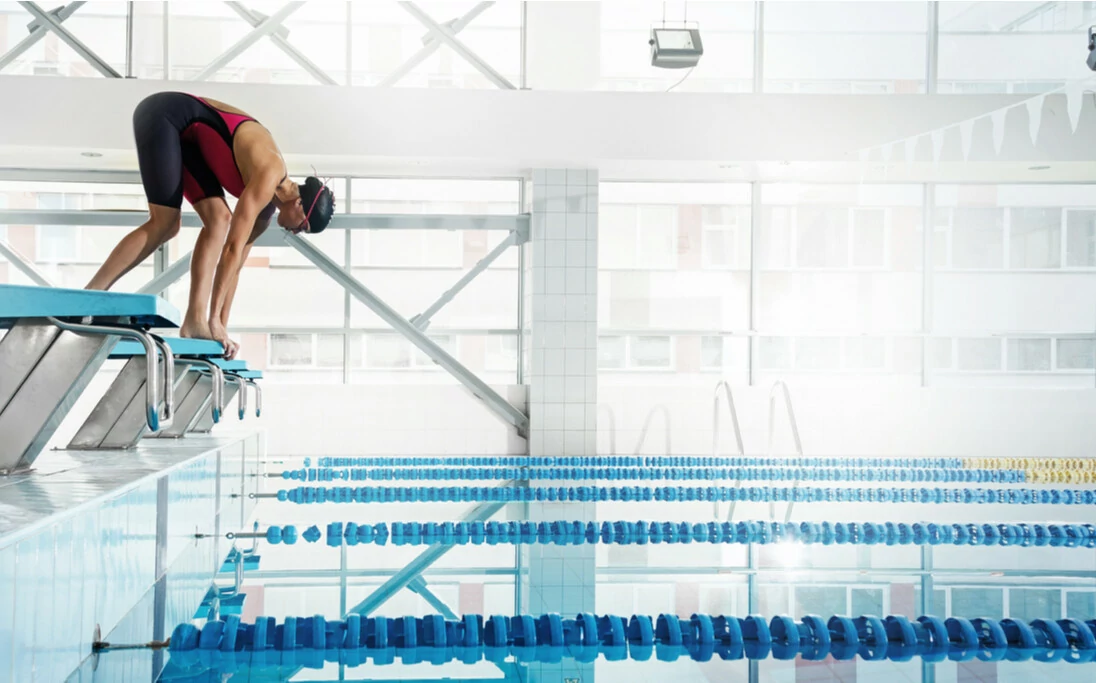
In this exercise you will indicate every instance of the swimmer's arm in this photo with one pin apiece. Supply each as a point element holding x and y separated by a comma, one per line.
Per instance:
<point>237,245</point>
<point>261,224</point>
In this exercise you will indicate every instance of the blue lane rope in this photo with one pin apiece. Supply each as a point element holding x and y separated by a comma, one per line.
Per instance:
<point>779,473</point>
<point>756,494</point>
<point>644,532</point>
<point>550,637</point>
<point>631,461</point>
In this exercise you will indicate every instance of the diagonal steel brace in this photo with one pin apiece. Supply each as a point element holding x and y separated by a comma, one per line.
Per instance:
<point>430,44</point>
<point>446,36</point>
<point>51,22</point>
<point>278,37</point>
<point>38,31</point>
<point>264,27</point>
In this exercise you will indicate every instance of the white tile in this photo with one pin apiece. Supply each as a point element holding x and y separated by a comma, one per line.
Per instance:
<point>575,362</point>
<point>558,205</point>
<point>574,416</point>
<point>590,359</point>
<point>576,203</point>
<point>576,177</point>
<point>576,226</point>
<point>554,389</point>
<point>536,442</point>
<point>575,307</point>
<point>538,226</point>
<point>593,177</point>
<point>590,410</point>
<point>574,442</point>
<point>540,281</point>
<point>575,390</point>
<point>591,279</point>
<point>575,334</point>
<point>555,335</point>
<point>553,441</point>
<point>591,389</point>
<point>575,253</point>
<point>554,416</point>
<point>576,281</point>
<point>539,204</point>
<point>590,306</point>
<point>554,307</point>
<point>556,226</point>
<point>554,281</point>
<point>555,253</point>
<point>555,362</point>
<point>540,176</point>
<point>557,177</point>
<point>536,414</point>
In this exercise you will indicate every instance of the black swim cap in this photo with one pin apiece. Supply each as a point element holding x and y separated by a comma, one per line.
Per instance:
<point>318,202</point>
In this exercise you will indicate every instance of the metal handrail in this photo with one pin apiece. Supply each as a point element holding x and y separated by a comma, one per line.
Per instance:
<point>647,423</point>
<point>779,384</point>
<point>715,436</point>
<point>167,417</point>
<point>152,390</point>
<point>218,378</point>
<point>612,427</point>
<point>241,394</point>
<point>258,396</point>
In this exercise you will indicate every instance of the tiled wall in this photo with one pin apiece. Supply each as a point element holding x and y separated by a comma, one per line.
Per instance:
<point>97,565</point>
<point>561,309</point>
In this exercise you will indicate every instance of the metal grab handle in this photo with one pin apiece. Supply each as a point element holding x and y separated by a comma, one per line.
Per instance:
<point>612,427</point>
<point>218,385</point>
<point>167,415</point>
<point>241,394</point>
<point>715,437</point>
<point>258,397</point>
<point>152,391</point>
<point>647,423</point>
<point>779,384</point>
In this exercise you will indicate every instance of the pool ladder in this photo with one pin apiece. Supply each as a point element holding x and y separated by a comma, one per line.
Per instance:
<point>779,387</point>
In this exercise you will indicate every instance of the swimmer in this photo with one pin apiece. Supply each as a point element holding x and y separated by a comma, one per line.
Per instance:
<point>197,148</point>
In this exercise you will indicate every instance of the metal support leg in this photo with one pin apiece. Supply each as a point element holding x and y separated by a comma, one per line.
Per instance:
<point>188,400</point>
<point>413,569</point>
<point>478,387</point>
<point>422,320</point>
<point>37,32</point>
<point>278,38</point>
<point>205,422</point>
<point>170,275</point>
<point>431,45</point>
<point>23,264</point>
<point>928,586</point>
<point>264,28</point>
<point>258,396</point>
<point>446,36</point>
<point>51,22</point>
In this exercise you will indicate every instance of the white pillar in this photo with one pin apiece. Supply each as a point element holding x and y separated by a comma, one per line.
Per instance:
<point>561,306</point>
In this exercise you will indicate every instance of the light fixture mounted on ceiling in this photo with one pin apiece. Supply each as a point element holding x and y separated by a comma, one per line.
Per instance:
<point>91,155</point>
<point>1038,168</point>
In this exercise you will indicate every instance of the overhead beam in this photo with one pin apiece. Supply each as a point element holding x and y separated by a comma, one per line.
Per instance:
<point>446,36</point>
<point>431,44</point>
<point>278,38</point>
<point>415,567</point>
<point>480,389</point>
<point>24,265</point>
<point>51,22</point>
<point>37,32</point>
<point>422,320</point>
<point>123,218</point>
<point>264,28</point>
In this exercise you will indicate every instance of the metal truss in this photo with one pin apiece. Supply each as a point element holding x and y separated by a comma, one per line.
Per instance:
<point>445,33</point>
<point>278,37</point>
<point>51,21</point>
<point>24,265</point>
<point>265,27</point>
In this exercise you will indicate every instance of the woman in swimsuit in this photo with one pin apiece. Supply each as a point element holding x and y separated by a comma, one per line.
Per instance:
<point>195,148</point>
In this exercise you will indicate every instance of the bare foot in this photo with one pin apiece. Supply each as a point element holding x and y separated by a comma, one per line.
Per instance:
<point>231,349</point>
<point>219,333</point>
<point>193,329</point>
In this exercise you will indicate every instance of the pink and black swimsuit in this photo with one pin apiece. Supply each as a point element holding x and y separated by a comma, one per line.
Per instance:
<point>184,150</point>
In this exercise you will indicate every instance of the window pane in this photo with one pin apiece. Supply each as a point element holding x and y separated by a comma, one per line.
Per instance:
<point>940,354</point>
<point>823,237</point>
<point>610,352</point>
<point>617,239</point>
<point>865,353</point>
<point>387,351</point>
<point>1034,603</point>
<point>1076,354</point>
<point>977,238</point>
<point>448,343</point>
<point>868,238</point>
<point>291,349</point>
<point>329,350</point>
<point>774,353</point>
<point>1029,355</point>
<point>711,352</point>
<point>657,236</point>
<point>1035,238</point>
<point>978,602</point>
<point>979,354</point>
<point>651,352</point>
<point>1081,239</point>
<point>817,353</point>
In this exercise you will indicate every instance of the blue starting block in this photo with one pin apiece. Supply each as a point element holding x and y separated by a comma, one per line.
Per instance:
<point>57,340</point>
<point>117,421</point>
